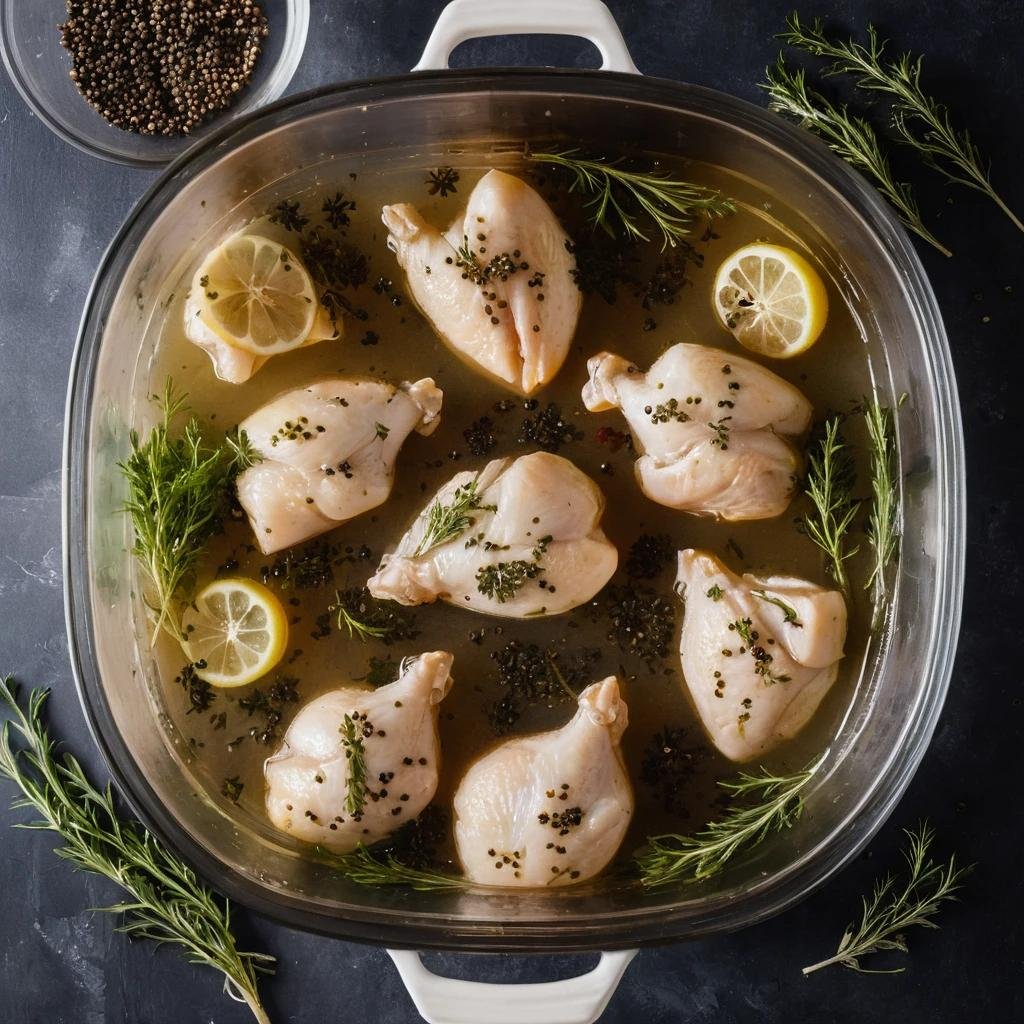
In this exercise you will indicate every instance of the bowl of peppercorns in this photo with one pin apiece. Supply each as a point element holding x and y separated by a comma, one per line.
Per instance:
<point>138,81</point>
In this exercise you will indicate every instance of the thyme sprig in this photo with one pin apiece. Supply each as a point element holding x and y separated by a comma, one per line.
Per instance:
<point>355,757</point>
<point>883,527</point>
<point>177,494</point>
<point>165,902</point>
<point>364,866</point>
<point>447,522</point>
<point>847,135</point>
<point>920,121</point>
<point>892,909</point>
<point>830,480</point>
<point>675,858</point>
<point>621,200</point>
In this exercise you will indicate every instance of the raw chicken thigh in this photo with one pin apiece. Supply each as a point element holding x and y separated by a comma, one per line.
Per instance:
<point>308,788</point>
<point>523,539</point>
<point>714,429</point>
<point>328,453</point>
<point>509,308</point>
<point>549,809</point>
<point>758,654</point>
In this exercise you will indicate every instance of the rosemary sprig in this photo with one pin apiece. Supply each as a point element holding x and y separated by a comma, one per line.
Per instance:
<point>355,755</point>
<point>368,618</point>
<point>446,522</point>
<point>920,121</point>
<point>848,136</point>
<point>623,197</point>
<point>675,858</point>
<point>166,901</point>
<point>883,521</point>
<point>788,611</point>
<point>891,910</point>
<point>364,867</point>
<point>177,492</point>
<point>830,479</point>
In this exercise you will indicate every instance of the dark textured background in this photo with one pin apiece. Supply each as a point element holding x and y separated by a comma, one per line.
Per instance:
<point>60,964</point>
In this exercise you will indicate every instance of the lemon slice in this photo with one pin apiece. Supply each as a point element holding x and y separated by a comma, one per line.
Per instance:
<point>237,631</point>
<point>771,299</point>
<point>255,295</point>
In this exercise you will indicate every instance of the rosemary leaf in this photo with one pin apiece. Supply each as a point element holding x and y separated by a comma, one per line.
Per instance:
<point>365,867</point>
<point>447,522</point>
<point>165,902</point>
<point>921,122</point>
<point>829,485</point>
<point>788,611</point>
<point>891,910</point>
<point>883,521</point>
<point>621,199</point>
<point>675,858</point>
<point>848,136</point>
<point>355,755</point>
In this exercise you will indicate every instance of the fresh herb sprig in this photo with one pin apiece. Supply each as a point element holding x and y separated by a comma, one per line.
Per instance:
<point>367,618</point>
<point>920,121</point>
<point>166,901</point>
<point>364,866</point>
<point>447,522</point>
<point>624,201</point>
<point>831,476</point>
<point>355,757</point>
<point>847,135</point>
<point>789,613</point>
<point>883,526</point>
<point>675,858</point>
<point>892,909</point>
<point>177,494</point>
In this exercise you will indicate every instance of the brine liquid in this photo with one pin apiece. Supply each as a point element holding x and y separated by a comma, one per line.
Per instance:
<point>402,346</point>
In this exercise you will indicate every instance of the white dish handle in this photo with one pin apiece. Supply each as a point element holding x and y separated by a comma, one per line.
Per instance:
<point>579,1000</point>
<point>471,19</point>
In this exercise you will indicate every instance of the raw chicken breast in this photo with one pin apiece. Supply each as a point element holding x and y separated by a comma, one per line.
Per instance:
<point>549,809</point>
<point>532,528</point>
<point>512,310</point>
<point>328,453</point>
<point>785,640</point>
<point>714,430</point>
<point>308,778</point>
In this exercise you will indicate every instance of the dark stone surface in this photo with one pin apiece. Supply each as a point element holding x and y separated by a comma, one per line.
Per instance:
<point>63,965</point>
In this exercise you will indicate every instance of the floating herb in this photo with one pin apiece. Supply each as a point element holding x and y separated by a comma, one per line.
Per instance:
<point>231,788</point>
<point>676,858</point>
<point>883,521</point>
<point>166,901</point>
<point>648,556</point>
<point>381,671</point>
<point>788,611</point>
<point>336,268</point>
<point>447,522</point>
<point>355,757</point>
<point>367,618</point>
<point>920,121</point>
<point>442,181</point>
<point>201,694</point>
<point>848,136</point>
<point>336,210</point>
<point>501,581</point>
<point>480,436</point>
<point>548,429</point>
<point>668,766</point>
<point>178,490</point>
<point>268,705</point>
<point>891,910</point>
<point>641,620</point>
<point>288,215</point>
<point>829,485</point>
<point>620,198</point>
<point>366,866</point>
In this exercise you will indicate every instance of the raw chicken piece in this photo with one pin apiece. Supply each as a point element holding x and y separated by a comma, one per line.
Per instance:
<point>328,452</point>
<point>713,428</point>
<point>512,312</point>
<point>778,671</point>
<point>533,528</point>
<point>549,809</point>
<point>308,777</point>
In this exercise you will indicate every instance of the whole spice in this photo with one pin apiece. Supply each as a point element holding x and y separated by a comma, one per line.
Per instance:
<point>158,68</point>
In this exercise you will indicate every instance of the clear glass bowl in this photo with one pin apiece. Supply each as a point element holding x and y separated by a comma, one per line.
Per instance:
<point>238,173</point>
<point>40,67</point>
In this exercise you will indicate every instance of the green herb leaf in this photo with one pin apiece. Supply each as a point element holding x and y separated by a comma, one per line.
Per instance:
<point>893,909</point>
<point>676,858</point>
<point>447,522</point>
<point>884,519</point>
<point>501,581</point>
<point>366,867</point>
<point>788,611</point>
<point>355,756</point>
<point>166,901</point>
<point>621,199</point>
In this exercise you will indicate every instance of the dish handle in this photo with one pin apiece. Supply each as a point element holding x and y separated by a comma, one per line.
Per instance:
<point>579,1000</point>
<point>470,19</point>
